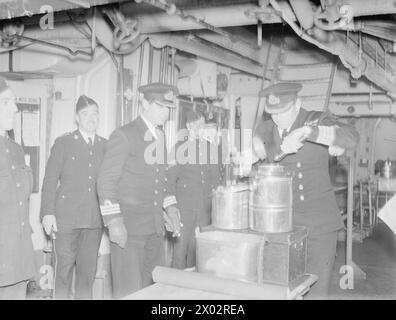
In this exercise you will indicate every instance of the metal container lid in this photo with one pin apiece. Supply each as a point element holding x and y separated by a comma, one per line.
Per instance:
<point>232,188</point>
<point>271,170</point>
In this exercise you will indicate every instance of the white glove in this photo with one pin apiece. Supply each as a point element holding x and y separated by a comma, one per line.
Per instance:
<point>117,232</point>
<point>49,224</point>
<point>294,140</point>
<point>336,151</point>
<point>243,161</point>
<point>172,221</point>
<point>259,149</point>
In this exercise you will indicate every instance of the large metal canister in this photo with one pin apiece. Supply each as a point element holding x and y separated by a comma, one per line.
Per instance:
<point>230,207</point>
<point>388,169</point>
<point>271,199</point>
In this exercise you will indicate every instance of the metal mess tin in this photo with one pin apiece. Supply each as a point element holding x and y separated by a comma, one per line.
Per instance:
<point>271,200</point>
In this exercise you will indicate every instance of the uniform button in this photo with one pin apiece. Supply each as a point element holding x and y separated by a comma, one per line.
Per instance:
<point>157,170</point>
<point>155,203</point>
<point>166,179</point>
<point>298,164</point>
<point>89,189</point>
<point>203,181</point>
<point>73,158</point>
<point>90,178</point>
<point>302,198</point>
<point>185,186</point>
<point>166,168</point>
<point>301,187</point>
<point>13,167</point>
<point>156,180</point>
<point>22,224</point>
<point>20,203</point>
<point>300,175</point>
<point>63,197</point>
<point>7,151</point>
<point>75,137</point>
<point>155,191</point>
<point>91,153</point>
<point>90,165</point>
<point>18,185</point>
<point>164,189</point>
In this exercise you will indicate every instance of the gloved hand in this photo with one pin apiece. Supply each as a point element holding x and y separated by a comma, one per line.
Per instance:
<point>49,224</point>
<point>117,232</point>
<point>336,151</point>
<point>259,148</point>
<point>172,220</point>
<point>294,140</point>
<point>243,161</point>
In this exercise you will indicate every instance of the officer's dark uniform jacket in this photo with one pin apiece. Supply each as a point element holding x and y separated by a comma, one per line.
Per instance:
<point>314,203</point>
<point>193,182</point>
<point>69,187</point>
<point>134,183</point>
<point>16,183</point>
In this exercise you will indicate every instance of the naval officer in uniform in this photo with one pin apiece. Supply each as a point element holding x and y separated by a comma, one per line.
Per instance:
<point>195,175</point>
<point>70,205</point>
<point>131,189</point>
<point>16,184</point>
<point>306,139</point>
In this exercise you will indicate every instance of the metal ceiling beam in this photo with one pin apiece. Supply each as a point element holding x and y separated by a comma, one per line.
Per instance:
<point>348,53</point>
<point>225,16</point>
<point>252,52</point>
<point>16,8</point>
<point>372,7</point>
<point>194,45</point>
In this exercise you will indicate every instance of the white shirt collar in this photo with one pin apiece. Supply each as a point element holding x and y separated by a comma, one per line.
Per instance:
<point>86,137</point>
<point>298,102</point>
<point>150,126</point>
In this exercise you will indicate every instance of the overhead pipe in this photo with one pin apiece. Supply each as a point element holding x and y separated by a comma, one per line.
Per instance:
<point>245,14</point>
<point>335,44</point>
<point>218,17</point>
<point>172,10</point>
<point>372,7</point>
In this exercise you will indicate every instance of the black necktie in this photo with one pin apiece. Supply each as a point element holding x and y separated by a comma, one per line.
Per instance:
<point>284,134</point>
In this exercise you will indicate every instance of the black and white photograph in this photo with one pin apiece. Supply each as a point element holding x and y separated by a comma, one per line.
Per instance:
<point>197,155</point>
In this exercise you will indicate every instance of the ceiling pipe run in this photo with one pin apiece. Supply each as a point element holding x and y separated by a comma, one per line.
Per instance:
<point>335,44</point>
<point>225,16</point>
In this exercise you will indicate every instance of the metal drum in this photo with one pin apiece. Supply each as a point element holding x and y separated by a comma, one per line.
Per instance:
<point>271,199</point>
<point>388,170</point>
<point>230,207</point>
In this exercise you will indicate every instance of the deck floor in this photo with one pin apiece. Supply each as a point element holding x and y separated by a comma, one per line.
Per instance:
<point>376,256</point>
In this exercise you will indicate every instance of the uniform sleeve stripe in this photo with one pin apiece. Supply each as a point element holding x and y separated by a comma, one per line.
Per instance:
<point>169,200</point>
<point>106,213</point>
<point>110,209</point>
<point>326,135</point>
<point>112,206</point>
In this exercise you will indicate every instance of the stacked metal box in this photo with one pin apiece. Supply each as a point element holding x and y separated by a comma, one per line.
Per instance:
<point>266,249</point>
